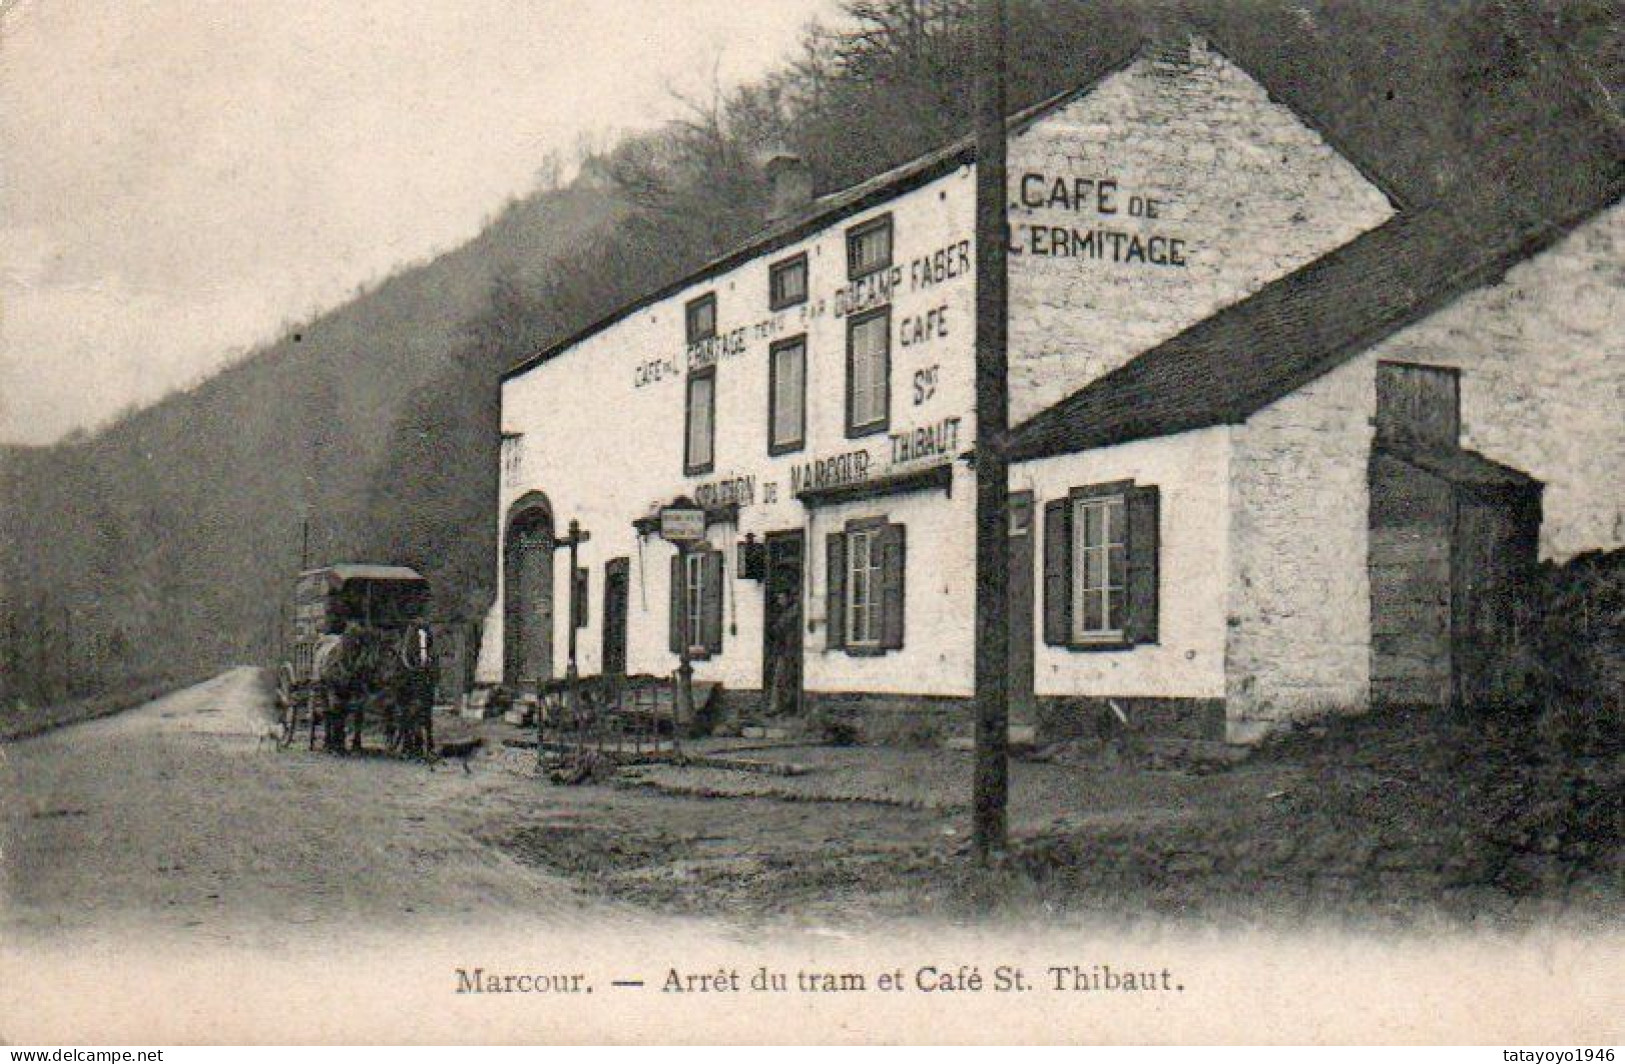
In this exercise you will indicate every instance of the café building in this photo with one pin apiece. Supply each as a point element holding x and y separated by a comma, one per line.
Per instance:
<point>1283,445</point>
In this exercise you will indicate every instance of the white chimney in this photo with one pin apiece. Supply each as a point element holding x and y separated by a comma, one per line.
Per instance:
<point>790,185</point>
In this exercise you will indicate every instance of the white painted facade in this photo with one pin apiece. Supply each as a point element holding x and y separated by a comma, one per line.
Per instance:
<point>1263,599</point>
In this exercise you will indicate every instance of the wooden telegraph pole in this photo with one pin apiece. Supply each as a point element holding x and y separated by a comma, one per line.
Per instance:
<point>992,777</point>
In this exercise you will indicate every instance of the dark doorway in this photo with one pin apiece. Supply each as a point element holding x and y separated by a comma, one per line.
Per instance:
<point>617,585</point>
<point>527,575</point>
<point>781,628</point>
<point>1020,677</point>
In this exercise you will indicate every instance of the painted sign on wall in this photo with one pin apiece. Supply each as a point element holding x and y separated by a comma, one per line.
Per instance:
<point>1103,205</point>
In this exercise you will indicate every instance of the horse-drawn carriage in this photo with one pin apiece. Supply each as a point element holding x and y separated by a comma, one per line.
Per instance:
<point>361,650</point>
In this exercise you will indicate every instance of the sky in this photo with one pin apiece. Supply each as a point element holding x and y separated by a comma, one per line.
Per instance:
<point>181,179</point>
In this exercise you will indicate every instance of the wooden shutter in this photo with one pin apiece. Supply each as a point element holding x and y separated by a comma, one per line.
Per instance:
<point>893,566</point>
<point>835,586</point>
<point>676,621</point>
<point>1142,507</point>
<point>1058,572</point>
<point>711,602</point>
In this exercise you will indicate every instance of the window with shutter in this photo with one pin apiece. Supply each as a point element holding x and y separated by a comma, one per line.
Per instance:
<point>867,563</point>
<point>696,602</point>
<point>1101,547</point>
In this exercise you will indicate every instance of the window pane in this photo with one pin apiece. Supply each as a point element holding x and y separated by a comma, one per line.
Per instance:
<point>1115,602</point>
<point>1115,524</point>
<point>869,349</point>
<point>1093,517</point>
<point>1117,569</point>
<point>788,284</point>
<point>701,391</point>
<point>1094,569</point>
<point>869,249</point>
<point>788,364</point>
<point>702,318</point>
<point>1093,611</point>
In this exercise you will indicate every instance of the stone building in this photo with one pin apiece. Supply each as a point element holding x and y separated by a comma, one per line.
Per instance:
<point>1283,445</point>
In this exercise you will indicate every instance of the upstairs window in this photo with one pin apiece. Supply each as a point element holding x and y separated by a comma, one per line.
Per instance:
<point>702,318</point>
<point>868,247</point>
<point>696,602</point>
<point>1101,546</point>
<point>699,438</point>
<point>787,283</point>
<point>866,566</point>
<point>787,395</point>
<point>868,372</point>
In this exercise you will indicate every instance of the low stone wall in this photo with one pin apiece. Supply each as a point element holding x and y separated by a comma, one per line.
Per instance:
<point>1157,718</point>
<point>868,718</point>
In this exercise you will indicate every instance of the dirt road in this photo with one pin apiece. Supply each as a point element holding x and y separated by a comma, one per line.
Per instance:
<point>181,816</point>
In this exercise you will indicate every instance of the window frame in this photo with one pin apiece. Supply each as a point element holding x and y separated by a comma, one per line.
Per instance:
<point>690,308</point>
<point>692,468</point>
<point>856,233</point>
<point>853,323</point>
<point>872,532</point>
<point>775,301</point>
<point>775,446</point>
<point>1106,501</point>
<point>694,604</point>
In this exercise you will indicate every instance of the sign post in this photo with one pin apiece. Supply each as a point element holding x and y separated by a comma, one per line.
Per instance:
<point>683,526</point>
<point>572,675</point>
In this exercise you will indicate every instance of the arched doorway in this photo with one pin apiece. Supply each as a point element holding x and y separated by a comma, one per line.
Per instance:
<point>527,581</point>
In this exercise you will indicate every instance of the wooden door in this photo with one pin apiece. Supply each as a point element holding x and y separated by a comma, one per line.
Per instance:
<point>617,586</point>
<point>782,623</point>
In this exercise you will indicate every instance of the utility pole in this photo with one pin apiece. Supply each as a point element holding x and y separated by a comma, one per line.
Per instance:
<point>992,776</point>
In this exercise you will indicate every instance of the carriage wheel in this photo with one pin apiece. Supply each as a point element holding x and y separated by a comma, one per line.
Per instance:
<point>313,703</point>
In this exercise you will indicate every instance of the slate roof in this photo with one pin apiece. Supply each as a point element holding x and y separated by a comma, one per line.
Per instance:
<point>1297,328</point>
<point>1467,468</point>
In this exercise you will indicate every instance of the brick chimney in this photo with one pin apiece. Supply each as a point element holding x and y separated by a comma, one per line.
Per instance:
<point>790,185</point>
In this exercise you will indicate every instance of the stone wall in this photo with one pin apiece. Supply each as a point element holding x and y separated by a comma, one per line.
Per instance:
<point>1542,360</point>
<point>1188,155</point>
<point>1299,594</point>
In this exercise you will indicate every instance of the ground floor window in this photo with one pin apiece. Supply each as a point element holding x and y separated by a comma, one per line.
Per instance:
<point>866,569</point>
<point>696,602</point>
<point>1101,546</point>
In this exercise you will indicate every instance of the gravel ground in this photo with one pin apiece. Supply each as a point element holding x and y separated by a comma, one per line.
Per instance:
<point>181,815</point>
